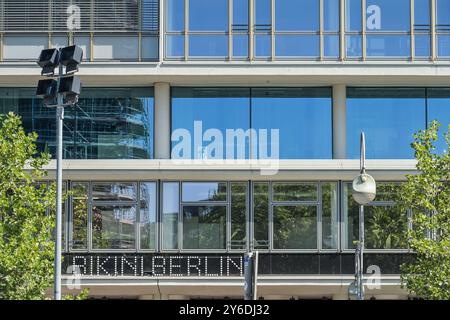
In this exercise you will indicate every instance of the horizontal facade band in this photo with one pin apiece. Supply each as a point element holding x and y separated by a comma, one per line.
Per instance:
<point>237,74</point>
<point>389,170</point>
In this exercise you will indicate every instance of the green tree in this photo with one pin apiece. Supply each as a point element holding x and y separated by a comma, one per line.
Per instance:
<point>427,194</point>
<point>26,246</point>
<point>27,216</point>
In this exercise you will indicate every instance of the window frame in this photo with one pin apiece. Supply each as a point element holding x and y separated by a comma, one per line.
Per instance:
<point>318,204</point>
<point>343,227</point>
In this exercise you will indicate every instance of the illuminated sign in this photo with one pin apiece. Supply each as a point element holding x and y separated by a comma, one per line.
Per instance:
<point>154,265</point>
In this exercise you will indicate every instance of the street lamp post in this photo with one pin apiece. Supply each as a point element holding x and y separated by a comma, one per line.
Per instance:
<point>364,191</point>
<point>58,94</point>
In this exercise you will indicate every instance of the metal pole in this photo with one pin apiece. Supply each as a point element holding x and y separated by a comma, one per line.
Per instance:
<point>255,276</point>
<point>361,254</point>
<point>248,276</point>
<point>59,139</point>
<point>361,224</point>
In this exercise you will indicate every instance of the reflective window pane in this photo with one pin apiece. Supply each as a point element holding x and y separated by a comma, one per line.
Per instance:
<point>388,15</point>
<point>297,46</point>
<point>353,15</point>
<point>353,46</point>
<point>208,45</point>
<point>175,15</point>
<point>240,14</point>
<point>170,208</point>
<point>330,218</point>
<point>240,46</point>
<point>294,15</point>
<point>422,45</point>
<point>284,192</point>
<point>308,135</point>
<point>443,14</point>
<point>388,116</point>
<point>439,109</point>
<point>107,123</point>
<point>204,227</point>
<point>443,45</point>
<point>199,113</point>
<point>238,215</point>
<point>385,226</point>
<point>331,46</point>
<point>331,19</point>
<point>204,191</point>
<point>80,194</point>
<point>295,227</point>
<point>147,215</point>
<point>215,19</point>
<point>263,46</point>
<point>113,226</point>
<point>111,191</point>
<point>388,45</point>
<point>422,16</point>
<point>174,46</point>
<point>261,215</point>
<point>263,17</point>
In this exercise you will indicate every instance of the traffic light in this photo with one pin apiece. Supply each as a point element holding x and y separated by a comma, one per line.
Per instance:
<point>46,90</point>
<point>67,60</point>
<point>71,57</point>
<point>48,61</point>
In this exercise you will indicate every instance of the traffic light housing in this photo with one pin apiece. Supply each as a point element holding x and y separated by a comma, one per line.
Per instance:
<point>48,61</point>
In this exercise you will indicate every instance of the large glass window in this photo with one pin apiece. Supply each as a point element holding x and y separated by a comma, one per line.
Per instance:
<point>261,215</point>
<point>201,119</point>
<point>307,133</point>
<point>114,215</point>
<point>295,227</point>
<point>294,15</point>
<point>204,225</point>
<point>170,209</point>
<point>207,15</point>
<point>204,191</point>
<point>422,28</point>
<point>239,211</point>
<point>229,123</point>
<point>147,215</point>
<point>438,108</point>
<point>385,225</point>
<point>329,215</point>
<point>80,212</point>
<point>113,226</point>
<point>389,117</point>
<point>107,123</point>
<point>206,207</point>
<point>303,216</point>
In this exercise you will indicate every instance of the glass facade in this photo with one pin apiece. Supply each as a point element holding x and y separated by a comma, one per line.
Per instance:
<point>390,117</point>
<point>308,29</point>
<point>107,123</point>
<point>293,216</point>
<point>240,123</point>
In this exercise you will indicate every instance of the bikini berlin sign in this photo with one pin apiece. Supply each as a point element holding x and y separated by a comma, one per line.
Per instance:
<point>153,265</point>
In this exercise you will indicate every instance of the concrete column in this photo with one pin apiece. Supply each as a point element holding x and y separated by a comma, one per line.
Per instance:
<point>162,121</point>
<point>339,121</point>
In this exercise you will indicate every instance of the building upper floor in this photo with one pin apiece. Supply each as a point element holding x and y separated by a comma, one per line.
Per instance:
<point>236,123</point>
<point>229,30</point>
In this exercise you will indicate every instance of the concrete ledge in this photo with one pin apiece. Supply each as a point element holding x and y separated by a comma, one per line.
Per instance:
<point>389,170</point>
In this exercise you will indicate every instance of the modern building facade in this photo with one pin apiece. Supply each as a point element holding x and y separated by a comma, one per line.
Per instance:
<point>207,128</point>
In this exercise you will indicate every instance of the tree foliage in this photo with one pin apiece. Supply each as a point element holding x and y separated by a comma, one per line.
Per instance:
<point>27,216</point>
<point>427,194</point>
<point>26,246</point>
